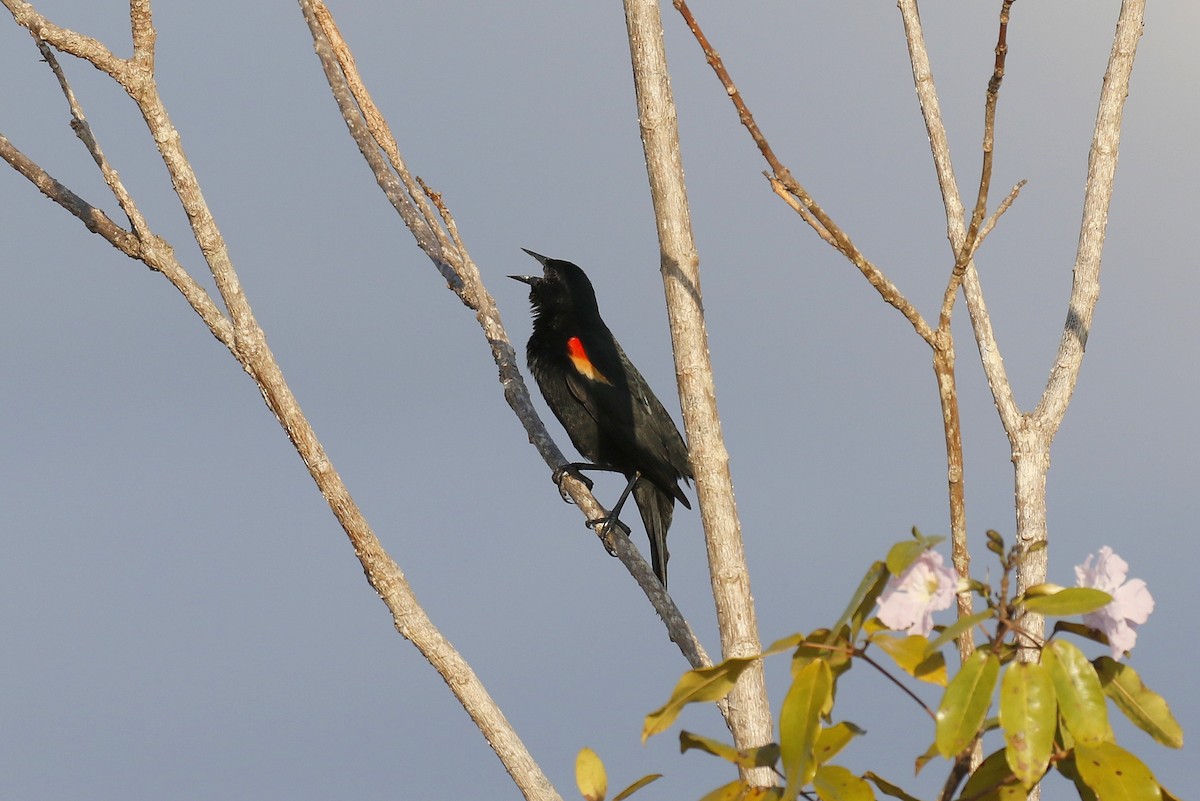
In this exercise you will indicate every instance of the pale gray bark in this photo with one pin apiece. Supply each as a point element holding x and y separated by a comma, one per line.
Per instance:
<point>749,715</point>
<point>1031,433</point>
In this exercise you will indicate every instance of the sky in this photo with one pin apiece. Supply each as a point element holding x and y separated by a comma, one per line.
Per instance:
<point>184,619</point>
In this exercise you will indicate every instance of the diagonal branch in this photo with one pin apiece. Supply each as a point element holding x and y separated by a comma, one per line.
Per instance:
<point>83,130</point>
<point>68,41</point>
<point>443,246</point>
<point>247,342</point>
<point>153,251</point>
<point>784,184</point>
<point>1102,167</point>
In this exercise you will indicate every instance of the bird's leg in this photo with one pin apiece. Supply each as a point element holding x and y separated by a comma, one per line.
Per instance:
<point>575,470</point>
<point>603,526</point>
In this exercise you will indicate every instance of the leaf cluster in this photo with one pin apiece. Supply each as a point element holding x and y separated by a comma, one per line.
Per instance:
<point>1051,708</point>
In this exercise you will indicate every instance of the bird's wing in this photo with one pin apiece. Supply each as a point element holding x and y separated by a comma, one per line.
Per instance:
<point>618,398</point>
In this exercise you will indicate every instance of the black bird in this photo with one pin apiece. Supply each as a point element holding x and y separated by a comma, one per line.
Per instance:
<point>602,401</point>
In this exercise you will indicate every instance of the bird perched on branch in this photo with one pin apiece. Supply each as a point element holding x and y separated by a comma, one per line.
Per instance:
<point>602,401</point>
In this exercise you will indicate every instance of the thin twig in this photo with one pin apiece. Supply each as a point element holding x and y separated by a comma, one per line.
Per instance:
<point>381,132</point>
<point>863,655</point>
<point>956,229</point>
<point>971,244</point>
<point>784,184</point>
<point>999,212</point>
<point>83,130</point>
<point>147,248</point>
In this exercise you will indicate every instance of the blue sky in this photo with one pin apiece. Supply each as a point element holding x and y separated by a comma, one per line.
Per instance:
<point>184,619</point>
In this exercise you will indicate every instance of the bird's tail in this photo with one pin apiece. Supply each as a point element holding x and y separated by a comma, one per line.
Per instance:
<point>657,508</point>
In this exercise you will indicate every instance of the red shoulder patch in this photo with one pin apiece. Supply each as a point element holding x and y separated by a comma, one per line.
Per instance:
<point>582,362</point>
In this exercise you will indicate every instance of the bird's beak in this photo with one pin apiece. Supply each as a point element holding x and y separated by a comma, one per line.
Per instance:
<point>532,280</point>
<point>541,259</point>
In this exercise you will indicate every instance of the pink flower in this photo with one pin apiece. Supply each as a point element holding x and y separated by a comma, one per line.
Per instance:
<point>910,599</point>
<point>1131,604</point>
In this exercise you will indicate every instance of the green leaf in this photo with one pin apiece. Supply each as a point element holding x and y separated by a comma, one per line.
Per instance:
<point>739,791</point>
<point>1067,602</point>
<point>689,741</point>
<point>835,783</point>
<point>590,776</point>
<point>966,702</point>
<point>833,739</point>
<point>1067,768</point>
<point>1144,707</point>
<point>763,794</point>
<point>863,600</point>
<point>727,792</point>
<point>995,543</point>
<point>827,646</point>
<point>903,554</point>
<point>1080,630</point>
<point>800,723</point>
<point>696,686</point>
<point>928,542</point>
<point>887,788</point>
<point>1114,774</point>
<point>910,655</point>
<point>1045,588</point>
<point>639,784</point>
<point>1080,699</point>
<point>764,756</point>
<point>993,781</point>
<point>785,644</point>
<point>809,649</point>
<point>1028,715</point>
<point>955,629</point>
<point>924,759</point>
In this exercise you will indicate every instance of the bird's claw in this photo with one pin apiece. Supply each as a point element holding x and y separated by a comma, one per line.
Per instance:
<point>603,526</point>
<point>569,469</point>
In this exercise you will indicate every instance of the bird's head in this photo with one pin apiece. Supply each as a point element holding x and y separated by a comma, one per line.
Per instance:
<point>562,290</point>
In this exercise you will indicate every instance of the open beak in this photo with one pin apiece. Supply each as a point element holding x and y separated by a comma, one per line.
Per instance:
<point>531,279</point>
<point>541,259</point>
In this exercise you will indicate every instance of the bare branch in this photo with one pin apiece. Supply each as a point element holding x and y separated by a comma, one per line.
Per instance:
<point>1102,167</point>
<point>1032,434</point>
<point>784,184</point>
<point>141,24</point>
<point>355,101</point>
<point>68,41</point>
<point>94,219</point>
<point>999,212</point>
<point>749,715</point>
<point>154,252</point>
<point>956,229</point>
<point>247,342</point>
<point>83,130</point>
<point>989,138</point>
